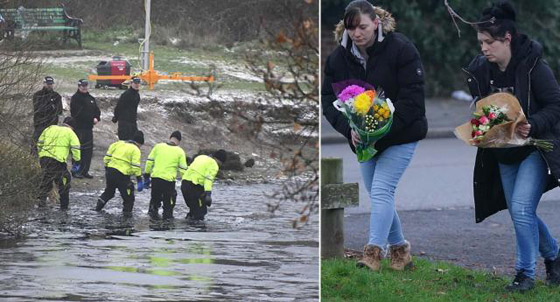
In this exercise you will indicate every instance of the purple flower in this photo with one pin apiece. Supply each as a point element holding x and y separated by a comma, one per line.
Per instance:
<point>350,92</point>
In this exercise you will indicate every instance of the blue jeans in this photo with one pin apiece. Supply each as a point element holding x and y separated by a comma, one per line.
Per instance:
<point>524,184</point>
<point>381,175</point>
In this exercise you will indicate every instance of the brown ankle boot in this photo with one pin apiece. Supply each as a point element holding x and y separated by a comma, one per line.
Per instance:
<point>400,256</point>
<point>371,258</point>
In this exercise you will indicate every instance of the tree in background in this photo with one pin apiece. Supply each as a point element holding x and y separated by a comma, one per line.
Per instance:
<point>287,59</point>
<point>20,171</point>
<point>297,80</point>
<point>429,26</point>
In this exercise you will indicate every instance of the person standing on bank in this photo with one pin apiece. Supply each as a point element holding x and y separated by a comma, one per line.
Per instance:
<point>54,146</point>
<point>126,110</point>
<point>164,161</point>
<point>371,51</point>
<point>198,181</point>
<point>122,161</point>
<point>515,178</point>
<point>47,106</point>
<point>84,110</point>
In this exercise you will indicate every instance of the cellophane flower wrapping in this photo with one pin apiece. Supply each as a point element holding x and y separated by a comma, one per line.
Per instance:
<point>369,113</point>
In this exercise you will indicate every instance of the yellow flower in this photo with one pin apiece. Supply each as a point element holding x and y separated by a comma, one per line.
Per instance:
<point>362,103</point>
<point>386,114</point>
<point>381,111</point>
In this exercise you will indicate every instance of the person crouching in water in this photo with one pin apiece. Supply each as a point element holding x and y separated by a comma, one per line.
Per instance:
<point>162,165</point>
<point>54,145</point>
<point>122,161</point>
<point>197,183</point>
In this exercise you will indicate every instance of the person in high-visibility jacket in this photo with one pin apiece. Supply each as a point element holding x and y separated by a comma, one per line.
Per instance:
<point>198,181</point>
<point>54,146</point>
<point>122,161</point>
<point>162,165</point>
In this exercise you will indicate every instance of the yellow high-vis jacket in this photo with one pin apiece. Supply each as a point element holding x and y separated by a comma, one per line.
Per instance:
<point>202,171</point>
<point>125,157</point>
<point>57,141</point>
<point>164,160</point>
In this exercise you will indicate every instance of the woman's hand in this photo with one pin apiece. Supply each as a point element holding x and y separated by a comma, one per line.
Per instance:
<point>355,138</point>
<point>523,129</point>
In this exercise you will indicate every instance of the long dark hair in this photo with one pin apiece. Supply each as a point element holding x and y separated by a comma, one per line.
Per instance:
<point>498,20</point>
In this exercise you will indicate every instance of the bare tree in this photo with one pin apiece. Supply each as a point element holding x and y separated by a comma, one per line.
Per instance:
<point>287,59</point>
<point>20,171</point>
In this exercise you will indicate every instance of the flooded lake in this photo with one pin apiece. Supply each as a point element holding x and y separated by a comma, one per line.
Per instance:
<point>239,253</point>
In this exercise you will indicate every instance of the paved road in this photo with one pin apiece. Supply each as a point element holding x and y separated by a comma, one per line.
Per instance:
<point>434,200</point>
<point>439,176</point>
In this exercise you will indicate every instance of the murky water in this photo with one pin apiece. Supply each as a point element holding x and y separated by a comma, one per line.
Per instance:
<point>239,253</point>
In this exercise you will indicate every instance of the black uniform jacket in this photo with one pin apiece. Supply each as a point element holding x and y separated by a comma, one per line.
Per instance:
<point>83,108</point>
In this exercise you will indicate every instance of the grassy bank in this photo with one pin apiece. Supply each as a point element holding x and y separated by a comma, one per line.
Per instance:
<point>67,63</point>
<point>429,281</point>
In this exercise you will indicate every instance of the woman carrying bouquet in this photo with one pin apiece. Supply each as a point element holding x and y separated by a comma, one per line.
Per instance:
<point>515,178</point>
<point>372,52</point>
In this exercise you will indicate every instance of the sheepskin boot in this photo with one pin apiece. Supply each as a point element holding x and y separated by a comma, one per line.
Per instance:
<point>400,256</point>
<point>371,258</point>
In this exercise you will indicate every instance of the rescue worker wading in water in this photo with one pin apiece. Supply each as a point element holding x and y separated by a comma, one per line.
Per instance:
<point>197,183</point>
<point>122,161</point>
<point>162,165</point>
<point>54,145</point>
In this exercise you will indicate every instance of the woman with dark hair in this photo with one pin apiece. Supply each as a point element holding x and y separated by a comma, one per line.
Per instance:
<point>516,178</point>
<point>371,51</point>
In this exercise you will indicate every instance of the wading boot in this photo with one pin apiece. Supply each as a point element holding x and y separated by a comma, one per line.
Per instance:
<point>371,258</point>
<point>400,256</point>
<point>100,204</point>
<point>521,283</point>
<point>552,271</point>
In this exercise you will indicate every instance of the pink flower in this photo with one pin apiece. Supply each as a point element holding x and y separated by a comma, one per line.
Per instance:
<point>350,92</point>
<point>477,133</point>
<point>483,120</point>
<point>492,115</point>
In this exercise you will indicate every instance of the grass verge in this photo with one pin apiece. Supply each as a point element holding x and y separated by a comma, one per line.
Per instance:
<point>428,281</point>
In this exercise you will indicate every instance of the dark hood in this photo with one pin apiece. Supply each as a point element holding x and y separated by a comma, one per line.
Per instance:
<point>525,49</point>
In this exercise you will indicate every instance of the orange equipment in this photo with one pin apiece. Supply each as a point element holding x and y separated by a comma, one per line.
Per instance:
<point>151,76</point>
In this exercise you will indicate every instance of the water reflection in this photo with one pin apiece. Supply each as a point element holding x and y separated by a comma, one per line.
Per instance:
<point>238,253</point>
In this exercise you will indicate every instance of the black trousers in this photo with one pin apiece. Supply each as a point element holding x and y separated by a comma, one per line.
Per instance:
<point>163,191</point>
<point>126,130</point>
<point>86,140</point>
<point>53,170</point>
<point>192,194</point>
<point>116,180</point>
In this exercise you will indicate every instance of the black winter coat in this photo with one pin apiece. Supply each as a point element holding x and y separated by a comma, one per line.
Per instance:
<point>47,106</point>
<point>538,92</point>
<point>83,109</point>
<point>393,65</point>
<point>127,106</point>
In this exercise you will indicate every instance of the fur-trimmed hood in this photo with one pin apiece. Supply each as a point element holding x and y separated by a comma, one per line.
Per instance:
<point>388,23</point>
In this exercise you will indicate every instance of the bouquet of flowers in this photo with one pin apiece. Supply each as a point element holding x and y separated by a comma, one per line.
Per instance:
<point>369,114</point>
<point>494,123</point>
<point>491,116</point>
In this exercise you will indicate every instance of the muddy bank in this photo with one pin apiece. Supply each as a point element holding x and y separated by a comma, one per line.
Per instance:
<point>205,124</point>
